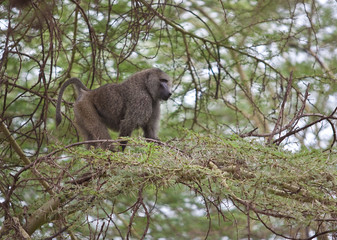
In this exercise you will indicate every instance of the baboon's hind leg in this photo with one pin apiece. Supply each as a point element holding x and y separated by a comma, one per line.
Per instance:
<point>90,125</point>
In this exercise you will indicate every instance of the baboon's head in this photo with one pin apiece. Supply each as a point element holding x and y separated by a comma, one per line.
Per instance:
<point>159,84</point>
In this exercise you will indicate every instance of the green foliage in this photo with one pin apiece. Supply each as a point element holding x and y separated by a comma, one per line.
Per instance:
<point>252,80</point>
<point>193,181</point>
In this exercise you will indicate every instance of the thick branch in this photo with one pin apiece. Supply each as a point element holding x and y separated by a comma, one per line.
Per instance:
<point>22,156</point>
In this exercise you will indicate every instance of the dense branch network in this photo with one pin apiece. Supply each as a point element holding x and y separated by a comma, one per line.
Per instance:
<point>243,73</point>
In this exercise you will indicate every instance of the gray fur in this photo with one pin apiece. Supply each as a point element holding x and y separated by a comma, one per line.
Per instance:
<point>121,107</point>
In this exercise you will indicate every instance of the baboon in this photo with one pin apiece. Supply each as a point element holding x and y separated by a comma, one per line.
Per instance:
<point>121,107</point>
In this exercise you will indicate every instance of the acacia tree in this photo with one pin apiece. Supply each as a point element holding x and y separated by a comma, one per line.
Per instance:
<point>248,137</point>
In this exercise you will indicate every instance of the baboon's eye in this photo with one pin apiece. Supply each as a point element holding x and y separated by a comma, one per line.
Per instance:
<point>163,80</point>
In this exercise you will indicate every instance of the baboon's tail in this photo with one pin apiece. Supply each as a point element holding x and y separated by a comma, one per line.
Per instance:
<point>79,85</point>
